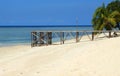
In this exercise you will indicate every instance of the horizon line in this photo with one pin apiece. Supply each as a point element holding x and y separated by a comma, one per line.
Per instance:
<point>45,25</point>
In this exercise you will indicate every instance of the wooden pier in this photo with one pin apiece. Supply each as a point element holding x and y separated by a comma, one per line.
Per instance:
<point>41,38</point>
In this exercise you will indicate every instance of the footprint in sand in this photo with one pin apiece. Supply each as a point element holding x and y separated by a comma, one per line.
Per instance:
<point>3,70</point>
<point>37,72</point>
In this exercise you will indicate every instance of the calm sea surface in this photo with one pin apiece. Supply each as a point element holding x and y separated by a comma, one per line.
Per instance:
<point>22,35</point>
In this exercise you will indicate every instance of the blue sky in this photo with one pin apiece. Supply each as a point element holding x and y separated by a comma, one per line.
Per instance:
<point>48,12</point>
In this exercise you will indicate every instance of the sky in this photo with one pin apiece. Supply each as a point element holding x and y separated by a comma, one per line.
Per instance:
<point>48,12</point>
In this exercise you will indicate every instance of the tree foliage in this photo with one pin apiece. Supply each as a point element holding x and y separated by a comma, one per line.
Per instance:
<point>107,17</point>
<point>114,6</point>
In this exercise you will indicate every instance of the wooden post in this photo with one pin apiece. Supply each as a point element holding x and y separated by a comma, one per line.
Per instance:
<point>61,37</point>
<point>92,36</point>
<point>46,36</point>
<point>41,38</point>
<point>110,34</point>
<point>77,36</point>
<point>50,38</point>
<point>34,39</point>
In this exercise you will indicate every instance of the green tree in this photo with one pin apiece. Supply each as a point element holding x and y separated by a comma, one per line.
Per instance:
<point>105,19</point>
<point>115,6</point>
<point>102,18</point>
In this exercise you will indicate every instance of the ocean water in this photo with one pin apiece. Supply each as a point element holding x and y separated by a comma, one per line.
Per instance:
<point>22,35</point>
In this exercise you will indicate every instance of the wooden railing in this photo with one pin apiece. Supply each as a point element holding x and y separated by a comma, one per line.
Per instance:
<point>40,38</point>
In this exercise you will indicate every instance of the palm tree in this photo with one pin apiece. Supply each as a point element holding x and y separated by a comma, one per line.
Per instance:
<point>103,19</point>
<point>115,6</point>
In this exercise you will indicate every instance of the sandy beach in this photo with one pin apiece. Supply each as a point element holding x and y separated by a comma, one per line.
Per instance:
<point>86,58</point>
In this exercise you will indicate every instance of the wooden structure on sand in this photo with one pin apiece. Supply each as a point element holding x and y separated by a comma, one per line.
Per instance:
<point>40,38</point>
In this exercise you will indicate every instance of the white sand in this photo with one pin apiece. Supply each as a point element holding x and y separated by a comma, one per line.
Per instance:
<point>86,58</point>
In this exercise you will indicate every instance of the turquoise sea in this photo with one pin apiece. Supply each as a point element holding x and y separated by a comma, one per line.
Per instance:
<point>22,34</point>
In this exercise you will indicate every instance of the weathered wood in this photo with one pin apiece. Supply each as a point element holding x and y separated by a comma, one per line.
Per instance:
<point>88,35</point>
<point>61,37</point>
<point>41,38</point>
<point>92,35</point>
<point>50,38</point>
<point>110,34</point>
<point>34,39</point>
<point>45,37</point>
<point>81,35</point>
<point>77,36</point>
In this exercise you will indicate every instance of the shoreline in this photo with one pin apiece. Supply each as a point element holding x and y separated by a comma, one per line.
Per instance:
<point>15,44</point>
<point>55,41</point>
